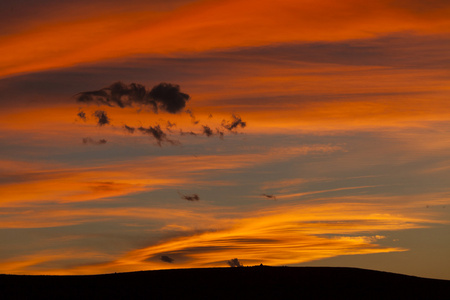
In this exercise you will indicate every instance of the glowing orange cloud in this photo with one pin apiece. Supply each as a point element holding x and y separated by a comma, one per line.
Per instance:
<point>84,184</point>
<point>278,235</point>
<point>287,235</point>
<point>175,219</point>
<point>206,25</point>
<point>36,263</point>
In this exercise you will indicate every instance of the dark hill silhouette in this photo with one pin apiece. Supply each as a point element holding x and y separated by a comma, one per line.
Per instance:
<point>228,283</point>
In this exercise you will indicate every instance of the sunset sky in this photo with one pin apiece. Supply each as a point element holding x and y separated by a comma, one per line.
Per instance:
<point>159,134</point>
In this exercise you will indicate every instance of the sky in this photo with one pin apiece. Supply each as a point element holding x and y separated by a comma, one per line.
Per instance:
<point>146,135</point>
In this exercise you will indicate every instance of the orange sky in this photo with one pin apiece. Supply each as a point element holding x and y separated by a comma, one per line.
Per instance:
<point>343,151</point>
<point>207,25</point>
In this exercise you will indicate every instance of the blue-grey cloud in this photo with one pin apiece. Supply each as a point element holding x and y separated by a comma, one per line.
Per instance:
<point>88,140</point>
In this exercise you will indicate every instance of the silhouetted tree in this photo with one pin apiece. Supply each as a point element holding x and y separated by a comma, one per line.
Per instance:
<point>234,263</point>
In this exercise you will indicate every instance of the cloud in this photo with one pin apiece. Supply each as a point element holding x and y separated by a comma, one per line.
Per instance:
<point>241,25</point>
<point>88,140</point>
<point>269,196</point>
<point>234,263</point>
<point>129,129</point>
<point>293,233</point>
<point>193,119</point>
<point>207,131</point>
<point>220,133</point>
<point>157,133</point>
<point>161,136</point>
<point>169,97</point>
<point>187,132</point>
<point>169,126</point>
<point>164,96</point>
<point>236,122</point>
<point>193,197</point>
<point>82,115</point>
<point>102,118</point>
<point>117,94</point>
<point>167,259</point>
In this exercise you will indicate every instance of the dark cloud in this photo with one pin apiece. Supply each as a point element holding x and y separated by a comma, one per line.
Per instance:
<point>220,133</point>
<point>169,97</point>
<point>154,131</point>
<point>269,196</point>
<point>207,131</point>
<point>102,118</point>
<point>167,259</point>
<point>88,140</point>
<point>129,129</point>
<point>234,263</point>
<point>193,119</point>
<point>234,123</point>
<point>193,197</point>
<point>164,96</point>
<point>117,94</point>
<point>187,132</point>
<point>170,125</point>
<point>430,8</point>
<point>82,115</point>
<point>157,133</point>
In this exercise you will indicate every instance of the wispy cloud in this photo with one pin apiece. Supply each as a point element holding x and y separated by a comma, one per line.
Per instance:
<point>240,26</point>
<point>278,235</point>
<point>286,235</point>
<point>67,184</point>
<point>295,195</point>
<point>88,140</point>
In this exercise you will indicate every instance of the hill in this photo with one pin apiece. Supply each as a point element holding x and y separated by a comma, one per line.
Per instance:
<point>228,283</point>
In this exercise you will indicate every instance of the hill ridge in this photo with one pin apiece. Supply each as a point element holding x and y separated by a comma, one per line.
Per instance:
<point>225,283</point>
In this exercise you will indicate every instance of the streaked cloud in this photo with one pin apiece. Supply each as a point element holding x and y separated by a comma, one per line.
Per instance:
<point>297,195</point>
<point>83,184</point>
<point>286,235</point>
<point>345,111</point>
<point>208,236</point>
<point>88,140</point>
<point>240,23</point>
